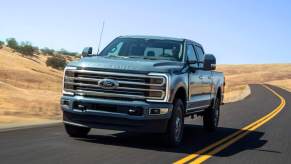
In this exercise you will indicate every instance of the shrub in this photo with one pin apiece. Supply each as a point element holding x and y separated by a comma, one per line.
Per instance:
<point>48,51</point>
<point>12,43</point>
<point>1,44</point>
<point>56,61</point>
<point>65,52</point>
<point>26,49</point>
<point>35,50</point>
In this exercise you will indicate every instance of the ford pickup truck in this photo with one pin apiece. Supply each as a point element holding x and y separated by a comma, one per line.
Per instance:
<point>142,84</point>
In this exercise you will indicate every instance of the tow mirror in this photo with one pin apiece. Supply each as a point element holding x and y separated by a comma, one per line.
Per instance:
<point>87,51</point>
<point>209,62</point>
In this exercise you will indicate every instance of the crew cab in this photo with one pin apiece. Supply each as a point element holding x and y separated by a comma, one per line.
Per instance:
<point>142,84</point>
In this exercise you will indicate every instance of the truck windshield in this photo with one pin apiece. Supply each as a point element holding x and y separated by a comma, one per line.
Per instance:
<point>152,49</point>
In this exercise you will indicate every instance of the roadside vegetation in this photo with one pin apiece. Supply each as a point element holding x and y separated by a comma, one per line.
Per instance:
<point>1,44</point>
<point>24,48</point>
<point>56,59</point>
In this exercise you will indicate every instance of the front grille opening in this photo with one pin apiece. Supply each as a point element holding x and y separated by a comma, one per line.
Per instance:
<point>130,86</point>
<point>84,106</point>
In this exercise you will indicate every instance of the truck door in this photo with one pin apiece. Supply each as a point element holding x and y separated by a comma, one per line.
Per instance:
<point>196,88</point>
<point>206,76</point>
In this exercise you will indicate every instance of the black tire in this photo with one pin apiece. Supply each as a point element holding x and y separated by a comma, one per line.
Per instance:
<point>175,129</point>
<point>76,131</point>
<point>211,116</point>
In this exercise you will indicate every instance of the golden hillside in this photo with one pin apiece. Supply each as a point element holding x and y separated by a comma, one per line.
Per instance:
<point>28,88</point>
<point>238,76</point>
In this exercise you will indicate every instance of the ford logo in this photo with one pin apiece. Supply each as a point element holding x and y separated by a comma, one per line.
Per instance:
<point>108,84</point>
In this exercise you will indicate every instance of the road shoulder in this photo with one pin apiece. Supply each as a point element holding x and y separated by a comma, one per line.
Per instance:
<point>8,123</point>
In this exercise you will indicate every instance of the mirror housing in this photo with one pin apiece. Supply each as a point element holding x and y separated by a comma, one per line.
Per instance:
<point>87,51</point>
<point>209,62</point>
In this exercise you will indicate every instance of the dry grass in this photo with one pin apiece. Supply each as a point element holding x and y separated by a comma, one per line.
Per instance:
<point>239,76</point>
<point>285,84</point>
<point>30,89</point>
<point>236,93</point>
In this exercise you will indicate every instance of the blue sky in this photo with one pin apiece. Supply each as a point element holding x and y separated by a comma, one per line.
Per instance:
<point>245,31</point>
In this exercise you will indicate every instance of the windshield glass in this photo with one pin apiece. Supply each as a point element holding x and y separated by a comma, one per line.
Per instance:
<point>153,49</point>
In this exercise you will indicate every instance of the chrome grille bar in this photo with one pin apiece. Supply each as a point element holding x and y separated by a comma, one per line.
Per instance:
<point>125,88</point>
<point>119,81</point>
<point>118,74</point>
<point>104,94</point>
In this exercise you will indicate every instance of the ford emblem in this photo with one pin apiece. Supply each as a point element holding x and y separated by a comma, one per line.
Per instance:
<point>108,84</point>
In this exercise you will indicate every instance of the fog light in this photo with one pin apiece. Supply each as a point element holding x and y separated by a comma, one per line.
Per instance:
<point>65,104</point>
<point>155,111</point>
<point>164,110</point>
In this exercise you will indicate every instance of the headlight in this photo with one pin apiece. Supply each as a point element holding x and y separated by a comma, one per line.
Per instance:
<point>161,88</point>
<point>68,76</point>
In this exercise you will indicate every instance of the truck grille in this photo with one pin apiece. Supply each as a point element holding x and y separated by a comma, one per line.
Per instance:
<point>115,85</point>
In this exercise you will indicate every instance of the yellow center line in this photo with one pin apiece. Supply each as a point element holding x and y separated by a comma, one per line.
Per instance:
<point>220,145</point>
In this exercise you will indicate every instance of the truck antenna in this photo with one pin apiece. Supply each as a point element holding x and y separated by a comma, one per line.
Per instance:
<point>100,39</point>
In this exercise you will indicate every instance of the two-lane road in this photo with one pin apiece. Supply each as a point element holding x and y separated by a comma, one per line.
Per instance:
<point>266,138</point>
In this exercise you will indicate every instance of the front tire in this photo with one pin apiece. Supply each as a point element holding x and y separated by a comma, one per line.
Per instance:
<point>76,131</point>
<point>175,129</point>
<point>211,116</point>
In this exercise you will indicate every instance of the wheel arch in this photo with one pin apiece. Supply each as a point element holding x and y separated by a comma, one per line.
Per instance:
<point>181,93</point>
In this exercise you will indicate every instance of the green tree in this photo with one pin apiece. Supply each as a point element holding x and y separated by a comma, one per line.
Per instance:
<point>65,52</point>
<point>36,50</point>
<point>1,44</point>
<point>26,49</point>
<point>12,43</point>
<point>48,51</point>
<point>56,61</point>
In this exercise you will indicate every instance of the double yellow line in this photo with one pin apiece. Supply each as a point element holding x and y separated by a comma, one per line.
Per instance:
<point>207,152</point>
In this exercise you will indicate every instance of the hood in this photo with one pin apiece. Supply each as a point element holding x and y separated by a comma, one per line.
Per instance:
<point>127,64</point>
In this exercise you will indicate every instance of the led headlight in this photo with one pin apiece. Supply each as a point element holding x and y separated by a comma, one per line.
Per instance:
<point>68,77</point>
<point>160,92</point>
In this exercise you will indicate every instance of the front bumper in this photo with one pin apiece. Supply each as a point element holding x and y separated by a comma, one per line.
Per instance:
<point>118,117</point>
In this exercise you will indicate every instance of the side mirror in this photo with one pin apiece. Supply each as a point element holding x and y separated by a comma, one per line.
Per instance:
<point>87,51</point>
<point>209,62</point>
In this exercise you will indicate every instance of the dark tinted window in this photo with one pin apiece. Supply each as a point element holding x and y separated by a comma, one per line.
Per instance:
<point>200,53</point>
<point>191,53</point>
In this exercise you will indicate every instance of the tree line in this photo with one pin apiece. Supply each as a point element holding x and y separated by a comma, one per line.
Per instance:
<point>56,59</point>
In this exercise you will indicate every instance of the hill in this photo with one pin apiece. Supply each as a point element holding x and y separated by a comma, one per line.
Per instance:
<point>27,86</point>
<point>239,76</point>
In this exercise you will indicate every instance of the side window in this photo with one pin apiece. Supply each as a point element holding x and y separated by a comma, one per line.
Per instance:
<point>191,53</point>
<point>200,53</point>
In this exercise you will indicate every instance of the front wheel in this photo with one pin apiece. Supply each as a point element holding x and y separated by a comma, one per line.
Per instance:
<point>76,131</point>
<point>211,116</point>
<point>174,133</point>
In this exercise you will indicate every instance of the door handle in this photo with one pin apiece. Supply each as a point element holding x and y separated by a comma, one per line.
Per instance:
<point>200,77</point>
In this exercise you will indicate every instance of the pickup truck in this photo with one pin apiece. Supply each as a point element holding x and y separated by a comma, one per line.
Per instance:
<point>142,84</point>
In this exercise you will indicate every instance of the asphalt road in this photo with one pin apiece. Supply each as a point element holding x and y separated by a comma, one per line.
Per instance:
<point>269,143</point>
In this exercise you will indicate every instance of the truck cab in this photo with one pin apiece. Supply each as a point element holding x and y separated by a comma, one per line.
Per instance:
<point>142,84</point>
